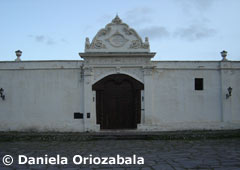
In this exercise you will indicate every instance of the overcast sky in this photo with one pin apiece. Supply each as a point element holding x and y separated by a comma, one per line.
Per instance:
<point>177,29</point>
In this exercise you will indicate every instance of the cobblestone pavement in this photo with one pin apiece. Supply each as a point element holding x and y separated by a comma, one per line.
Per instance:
<point>222,154</point>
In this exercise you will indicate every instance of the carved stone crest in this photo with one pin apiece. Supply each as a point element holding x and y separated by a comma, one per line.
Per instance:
<point>135,44</point>
<point>117,37</point>
<point>98,44</point>
<point>117,40</point>
<point>139,44</point>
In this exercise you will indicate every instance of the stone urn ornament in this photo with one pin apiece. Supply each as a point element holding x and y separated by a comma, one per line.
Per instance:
<point>224,55</point>
<point>18,54</point>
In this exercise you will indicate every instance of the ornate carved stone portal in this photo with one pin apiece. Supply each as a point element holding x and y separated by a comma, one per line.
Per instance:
<point>115,60</point>
<point>117,37</point>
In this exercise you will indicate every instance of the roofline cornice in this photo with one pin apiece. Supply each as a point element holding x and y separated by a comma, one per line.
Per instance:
<point>83,55</point>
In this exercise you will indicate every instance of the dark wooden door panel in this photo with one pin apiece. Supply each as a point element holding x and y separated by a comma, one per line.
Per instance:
<point>118,102</point>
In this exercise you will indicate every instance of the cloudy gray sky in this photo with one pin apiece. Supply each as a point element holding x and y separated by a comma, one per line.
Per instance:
<point>177,29</point>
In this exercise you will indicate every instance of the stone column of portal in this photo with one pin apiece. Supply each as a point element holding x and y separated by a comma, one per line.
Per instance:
<point>148,99</point>
<point>89,102</point>
<point>225,80</point>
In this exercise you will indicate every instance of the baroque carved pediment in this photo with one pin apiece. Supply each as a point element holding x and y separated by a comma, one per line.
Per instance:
<point>117,37</point>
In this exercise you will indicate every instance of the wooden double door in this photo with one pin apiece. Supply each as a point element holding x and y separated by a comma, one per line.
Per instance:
<point>118,102</point>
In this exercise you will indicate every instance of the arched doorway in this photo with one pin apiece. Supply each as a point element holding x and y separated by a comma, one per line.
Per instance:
<point>118,102</point>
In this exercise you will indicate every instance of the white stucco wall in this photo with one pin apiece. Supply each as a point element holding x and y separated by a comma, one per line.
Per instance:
<point>43,95</point>
<point>178,106</point>
<point>233,103</point>
<point>176,100</point>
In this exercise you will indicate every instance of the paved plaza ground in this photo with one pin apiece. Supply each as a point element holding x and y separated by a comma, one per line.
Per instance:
<point>214,154</point>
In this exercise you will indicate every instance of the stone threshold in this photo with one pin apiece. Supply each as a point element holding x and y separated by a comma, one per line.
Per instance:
<point>119,135</point>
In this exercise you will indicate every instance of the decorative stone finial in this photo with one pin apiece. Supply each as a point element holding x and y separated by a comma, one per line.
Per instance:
<point>87,43</point>
<point>18,54</point>
<point>146,43</point>
<point>224,55</point>
<point>146,39</point>
<point>117,20</point>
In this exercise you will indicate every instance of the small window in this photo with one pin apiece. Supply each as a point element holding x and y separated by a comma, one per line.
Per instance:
<point>198,83</point>
<point>78,115</point>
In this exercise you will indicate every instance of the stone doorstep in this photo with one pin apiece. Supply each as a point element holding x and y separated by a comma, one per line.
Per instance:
<point>118,135</point>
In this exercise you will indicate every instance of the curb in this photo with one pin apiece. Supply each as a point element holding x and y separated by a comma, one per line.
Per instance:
<point>119,135</point>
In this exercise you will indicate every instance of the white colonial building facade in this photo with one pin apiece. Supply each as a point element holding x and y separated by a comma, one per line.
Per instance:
<point>118,86</point>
